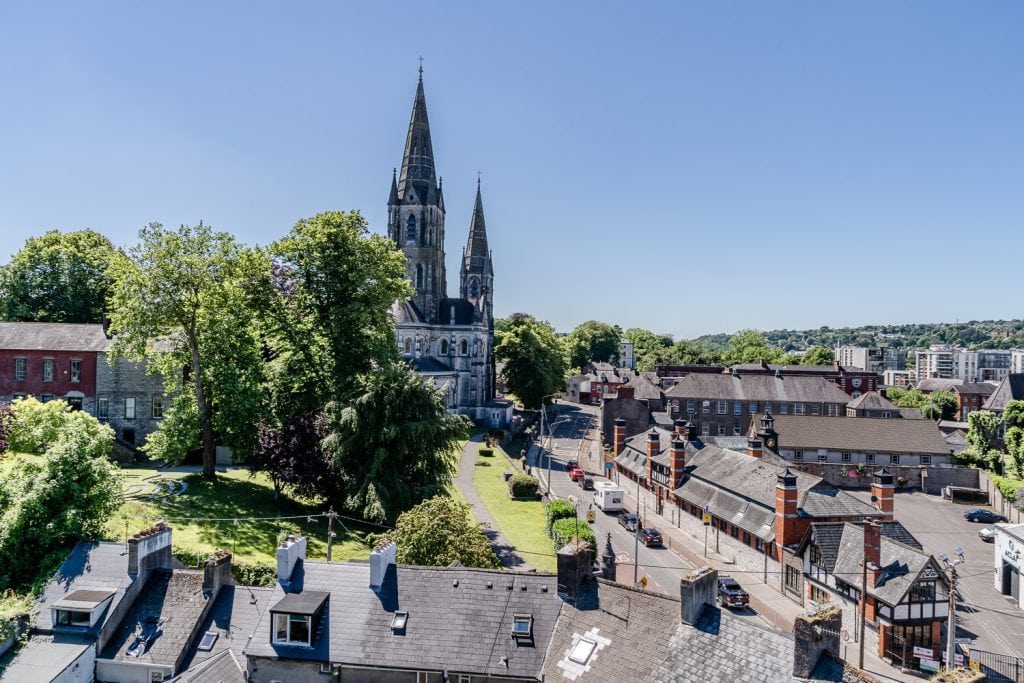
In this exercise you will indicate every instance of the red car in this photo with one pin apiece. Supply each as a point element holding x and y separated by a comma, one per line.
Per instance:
<point>576,474</point>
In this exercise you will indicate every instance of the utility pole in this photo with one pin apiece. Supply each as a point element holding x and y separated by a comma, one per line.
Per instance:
<point>863,606</point>
<point>331,514</point>
<point>636,539</point>
<point>951,623</point>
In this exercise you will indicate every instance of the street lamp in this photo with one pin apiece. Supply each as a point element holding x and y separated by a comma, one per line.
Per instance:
<point>636,536</point>
<point>951,624</point>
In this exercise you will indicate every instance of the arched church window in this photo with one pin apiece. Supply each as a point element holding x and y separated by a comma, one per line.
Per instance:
<point>408,345</point>
<point>410,229</point>
<point>444,347</point>
<point>464,348</point>
<point>419,276</point>
<point>474,288</point>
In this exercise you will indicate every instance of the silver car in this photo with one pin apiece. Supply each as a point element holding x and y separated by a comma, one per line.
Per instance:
<point>988,534</point>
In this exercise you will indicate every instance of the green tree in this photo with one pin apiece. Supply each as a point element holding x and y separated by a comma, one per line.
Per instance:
<point>689,352</point>
<point>593,341</point>
<point>185,299</point>
<point>906,398</point>
<point>35,427</point>
<point>438,532</point>
<point>1013,414</point>
<point>982,430</point>
<point>533,357</point>
<point>1014,440</point>
<point>818,355</point>
<point>940,405</point>
<point>394,445</point>
<point>59,277</point>
<point>750,346</point>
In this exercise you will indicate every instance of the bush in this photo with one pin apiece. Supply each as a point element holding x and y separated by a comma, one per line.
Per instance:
<point>523,486</point>
<point>564,530</point>
<point>13,607</point>
<point>1010,488</point>
<point>38,427</point>
<point>244,572</point>
<point>556,510</point>
<point>486,452</point>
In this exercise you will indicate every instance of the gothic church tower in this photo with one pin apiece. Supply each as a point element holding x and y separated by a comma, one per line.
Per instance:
<point>476,279</point>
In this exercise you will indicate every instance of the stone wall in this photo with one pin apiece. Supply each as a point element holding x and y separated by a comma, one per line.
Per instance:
<point>846,476</point>
<point>636,414</point>
<point>129,380</point>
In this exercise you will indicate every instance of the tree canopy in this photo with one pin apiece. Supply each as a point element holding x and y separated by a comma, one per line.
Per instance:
<point>818,355</point>
<point>60,277</point>
<point>533,357</point>
<point>439,531</point>
<point>593,341</point>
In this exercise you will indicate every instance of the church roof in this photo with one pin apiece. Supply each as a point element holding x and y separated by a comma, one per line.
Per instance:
<point>456,312</point>
<point>477,258</point>
<point>418,174</point>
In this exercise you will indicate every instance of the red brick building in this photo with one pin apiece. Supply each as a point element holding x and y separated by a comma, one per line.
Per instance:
<point>50,360</point>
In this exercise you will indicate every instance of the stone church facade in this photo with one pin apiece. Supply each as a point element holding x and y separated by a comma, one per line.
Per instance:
<point>448,340</point>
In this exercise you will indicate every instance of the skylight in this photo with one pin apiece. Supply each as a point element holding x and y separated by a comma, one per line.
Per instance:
<point>581,651</point>
<point>522,625</point>
<point>209,638</point>
<point>399,621</point>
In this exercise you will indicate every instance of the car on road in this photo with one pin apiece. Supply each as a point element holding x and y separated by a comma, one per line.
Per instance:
<point>649,536</point>
<point>983,515</point>
<point>730,594</point>
<point>576,474</point>
<point>587,483</point>
<point>569,464</point>
<point>628,520</point>
<point>988,534</point>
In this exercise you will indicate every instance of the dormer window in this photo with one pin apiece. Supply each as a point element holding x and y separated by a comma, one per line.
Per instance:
<point>522,626</point>
<point>81,608</point>
<point>296,616</point>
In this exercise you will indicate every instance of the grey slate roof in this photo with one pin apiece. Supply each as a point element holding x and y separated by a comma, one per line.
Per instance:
<point>860,434</point>
<point>234,616</point>
<point>1010,389</point>
<point>901,565</point>
<point>828,536</point>
<point>406,312</point>
<point>758,388</point>
<point>53,337</point>
<point>463,311</point>
<point>643,388</point>
<point>938,384</point>
<point>44,658</point>
<point>224,667</point>
<point>872,400</point>
<point>465,628</point>
<point>641,638</point>
<point>975,388</point>
<point>427,364</point>
<point>93,565</point>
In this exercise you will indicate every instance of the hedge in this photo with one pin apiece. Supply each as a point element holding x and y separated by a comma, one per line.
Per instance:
<point>1008,487</point>
<point>486,452</point>
<point>564,530</point>
<point>244,572</point>
<point>523,486</point>
<point>556,510</point>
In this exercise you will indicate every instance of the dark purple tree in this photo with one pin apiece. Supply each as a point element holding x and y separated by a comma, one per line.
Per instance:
<point>292,456</point>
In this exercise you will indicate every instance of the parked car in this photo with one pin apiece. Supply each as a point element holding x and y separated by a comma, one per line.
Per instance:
<point>983,515</point>
<point>587,483</point>
<point>730,594</point>
<point>576,474</point>
<point>628,520</point>
<point>988,534</point>
<point>649,536</point>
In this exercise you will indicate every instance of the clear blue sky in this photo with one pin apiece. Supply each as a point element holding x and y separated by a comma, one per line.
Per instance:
<point>685,167</point>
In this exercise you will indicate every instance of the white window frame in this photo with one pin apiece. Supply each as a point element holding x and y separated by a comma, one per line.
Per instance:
<point>799,409</point>
<point>721,429</point>
<point>705,408</point>
<point>705,429</point>
<point>783,409</point>
<point>752,408</point>
<point>722,407</point>
<point>292,618</point>
<point>798,455</point>
<point>926,460</point>
<point>869,458</point>
<point>20,368</point>
<point>47,369</point>
<point>737,408</point>
<point>157,407</point>
<point>691,406</point>
<point>75,370</point>
<point>102,408</point>
<point>822,457</point>
<point>894,458</point>
<point>847,457</point>
<point>129,407</point>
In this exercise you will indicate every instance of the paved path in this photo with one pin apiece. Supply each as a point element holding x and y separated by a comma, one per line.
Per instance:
<point>505,551</point>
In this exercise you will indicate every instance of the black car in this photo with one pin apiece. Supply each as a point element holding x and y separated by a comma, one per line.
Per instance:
<point>730,594</point>
<point>587,483</point>
<point>569,464</point>
<point>649,537</point>
<point>983,515</point>
<point>628,520</point>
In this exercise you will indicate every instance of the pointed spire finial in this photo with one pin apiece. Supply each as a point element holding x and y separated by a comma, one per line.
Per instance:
<point>478,180</point>
<point>421,68</point>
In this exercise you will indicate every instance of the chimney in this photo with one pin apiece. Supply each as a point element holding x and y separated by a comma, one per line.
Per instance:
<point>677,461</point>
<point>149,549</point>
<point>814,636</point>
<point>883,493</point>
<point>382,557</point>
<point>679,427</point>
<point>697,590</point>
<point>608,564</point>
<point>289,553</point>
<point>619,436</point>
<point>786,515</point>
<point>691,431</point>
<point>653,449</point>
<point>216,573</point>
<point>573,567</point>
<point>754,446</point>
<point>873,551</point>
<point>624,392</point>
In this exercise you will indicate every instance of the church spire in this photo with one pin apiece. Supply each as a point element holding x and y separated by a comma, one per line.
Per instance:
<point>393,199</point>
<point>418,160</point>
<point>478,256</point>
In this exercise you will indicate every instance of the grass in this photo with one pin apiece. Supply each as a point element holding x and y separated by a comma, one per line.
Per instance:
<point>203,515</point>
<point>521,522</point>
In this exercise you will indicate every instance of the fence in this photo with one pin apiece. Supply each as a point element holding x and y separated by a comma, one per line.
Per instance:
<point>999,502</point>
<point>998,668</point>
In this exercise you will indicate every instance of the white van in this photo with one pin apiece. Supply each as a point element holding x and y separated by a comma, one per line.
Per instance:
<point>608,496</point>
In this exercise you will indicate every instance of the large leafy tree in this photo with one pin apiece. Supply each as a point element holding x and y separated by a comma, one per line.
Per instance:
<point>648,348</point>
<point>394,445</point>
<point>982,430</point>
<point>1013,414</point>
<point>940,405</point>
<point>750,346</point>
<point>184,300</point>
<point>59,277</point>
<point>593,341</point>
<point>438,532</point>
<point>533,357</point>
<point>818,355</point>
<point>292,455</point>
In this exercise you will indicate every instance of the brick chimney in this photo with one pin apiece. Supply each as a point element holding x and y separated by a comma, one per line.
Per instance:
<point>679,427</point>
<point>677,462</point>
<point>786,516</point>
<point>216,572</point>
<point>622,391</point>
<point>883,492</point>
<point>873,551</point>
<point>619,436</point>
<point>149,549</point>
<point>653,448</point>
<point>754,446</point>
<point>691,431</point>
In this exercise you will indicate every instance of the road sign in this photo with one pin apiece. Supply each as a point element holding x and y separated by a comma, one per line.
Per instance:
<point>929,665</point>
<point>590,516</point>
<point>707,519</point>
<point>964,640</point>
<point>609,465</point>
<point>924,652</point>
<point>643,582</point>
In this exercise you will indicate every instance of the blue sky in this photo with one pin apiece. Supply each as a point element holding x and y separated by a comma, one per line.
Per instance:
<point>686,167</point>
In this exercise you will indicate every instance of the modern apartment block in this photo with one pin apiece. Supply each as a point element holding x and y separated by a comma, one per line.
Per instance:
<point>946,362</point>
<point>874,358</point>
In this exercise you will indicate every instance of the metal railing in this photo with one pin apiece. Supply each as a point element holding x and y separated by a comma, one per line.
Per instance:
<point>998,668</point>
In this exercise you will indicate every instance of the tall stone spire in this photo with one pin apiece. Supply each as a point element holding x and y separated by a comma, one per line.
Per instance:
<point>478,257</point>
<point>418,160</point>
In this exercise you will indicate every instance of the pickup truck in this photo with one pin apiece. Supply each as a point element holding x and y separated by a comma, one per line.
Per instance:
<point>730,594</point>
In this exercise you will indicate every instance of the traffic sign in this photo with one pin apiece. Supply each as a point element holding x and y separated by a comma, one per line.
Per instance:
<point>925,652</point>
<point>707,519</point>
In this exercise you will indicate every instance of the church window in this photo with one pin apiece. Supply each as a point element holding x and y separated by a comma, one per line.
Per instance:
<point>444,347</point>
<point>410,229</point>
<point>419,276</point>
<point>474,288</point>
<point>464,348</point>
<point>408,345</point>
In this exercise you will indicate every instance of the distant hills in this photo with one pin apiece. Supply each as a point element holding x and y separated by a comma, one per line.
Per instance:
<point>976,334</point>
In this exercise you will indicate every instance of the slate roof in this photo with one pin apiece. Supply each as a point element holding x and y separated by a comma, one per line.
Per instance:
<point>93,566</point>
<point>930,384</point>
<point>45,658</point>
<point>234,616</point>
<point>975,388</point>
<point>428,364</point>
<point>641,638</point>
<point>643,388</point>
<point>872,400</point>
<point>911,413</point>
<point>53,337</point>
<point>455,621</point>
<point>406,312</point>
<point>901,564</point>
<point>759,388</point>
<point>828,536</point>
<point>860,434</point>
<point>1010,389</point>
<point>463,310</point>
<point>175,600</point>
<point>224,667</point>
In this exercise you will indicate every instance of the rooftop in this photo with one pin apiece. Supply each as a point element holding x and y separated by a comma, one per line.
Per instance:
<point>53,337</point>
<point>860,434</point>
<point>91,568</point>
<point>763,387</point>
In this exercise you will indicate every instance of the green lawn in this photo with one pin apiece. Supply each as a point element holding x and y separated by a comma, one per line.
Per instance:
<point>521,522</point>
<point>203,515</point>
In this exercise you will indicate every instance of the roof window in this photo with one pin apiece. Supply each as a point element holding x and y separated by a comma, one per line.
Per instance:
<point>399,621</point>
<point>522,625</point>
<point>582,650</point>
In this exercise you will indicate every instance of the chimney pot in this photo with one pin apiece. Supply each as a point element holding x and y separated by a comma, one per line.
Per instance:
<point>382,557</point>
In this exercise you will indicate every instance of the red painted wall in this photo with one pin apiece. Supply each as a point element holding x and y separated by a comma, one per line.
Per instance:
<point>33,383</point>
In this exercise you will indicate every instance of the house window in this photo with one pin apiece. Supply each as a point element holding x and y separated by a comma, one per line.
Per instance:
<point>47,369</point>
<point>819,595</point>
<point>705,407</point>
<point>465,678</point>
<point>752,408</point>
<point>768,407</point>
<point>76,371</point>
<point>846,457</point>
<point>19,368</point>
<point>737,408</point>
<point>444,347</point>
<point>723,407</point>
<point>19,394</point>
<point>886,414</point>
<point>705,429</point>
<point>736,429</point>
<point>815,556</point>
<point>102,408</point>
<point>799,409</point>
<point>798,455</point>
<point>847,589</point>
<point>792,578</point>
<point>735,533</point>
<point>158,407</point>
<point>292,628</point>
<point>758,544</point>
<point>691,407</point>
<point>67,617</point>
<point>46,398</point>
<point>856,383</point>
<point>522,626</point>
<point>783,409</point>
<point>464,348</point>
<point>869,458</point>
<point>746,538</point>
<point>822,456</point>
<point>129,408</point>
<point>815,409</point>
<point>926,460</point>
<point>856,394</point>
<point>408,345</point>
<point>922,591</point>
<point>894,459</point>
<point>833,410</point>
<point>721,429</point>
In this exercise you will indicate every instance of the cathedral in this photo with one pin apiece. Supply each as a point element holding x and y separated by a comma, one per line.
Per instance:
<point>448,341</point>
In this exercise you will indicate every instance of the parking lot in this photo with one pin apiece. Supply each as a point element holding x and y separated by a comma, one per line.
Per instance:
<point>991,620</point>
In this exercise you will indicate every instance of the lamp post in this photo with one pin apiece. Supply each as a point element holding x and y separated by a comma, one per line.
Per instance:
<point>951,624</point>
<point>636,537</point>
